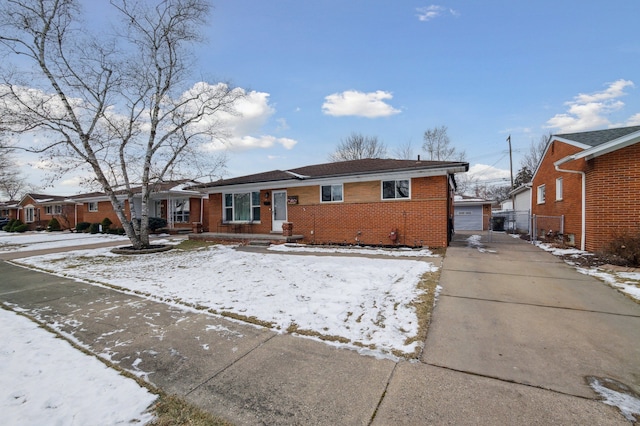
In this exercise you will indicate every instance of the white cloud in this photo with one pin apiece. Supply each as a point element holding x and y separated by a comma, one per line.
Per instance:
<point>589,110</point>
<point>634,120</point>
<point>433,11</point>
<point>360,104</point>
<point>242,129</point>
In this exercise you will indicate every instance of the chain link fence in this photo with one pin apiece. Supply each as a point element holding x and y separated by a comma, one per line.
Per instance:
<point>547,228</point>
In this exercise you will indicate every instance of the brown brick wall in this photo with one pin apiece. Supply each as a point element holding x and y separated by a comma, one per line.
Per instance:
<point>613,185</point>
<point>362,216</point>
<point>571,204</point>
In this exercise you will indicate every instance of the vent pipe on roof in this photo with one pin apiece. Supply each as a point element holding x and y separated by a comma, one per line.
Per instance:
<point>418,157</point>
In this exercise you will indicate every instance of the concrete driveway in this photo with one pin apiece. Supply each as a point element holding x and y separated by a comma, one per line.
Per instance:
<point>511,311</point>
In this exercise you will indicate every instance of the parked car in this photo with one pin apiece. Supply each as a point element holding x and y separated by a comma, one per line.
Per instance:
<point>3,222</point>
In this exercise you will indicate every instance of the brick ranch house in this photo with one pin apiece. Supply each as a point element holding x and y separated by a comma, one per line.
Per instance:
<point>368,201</point>
<point>169,200</point>
<point>593,180</point>
<point>172,201</point>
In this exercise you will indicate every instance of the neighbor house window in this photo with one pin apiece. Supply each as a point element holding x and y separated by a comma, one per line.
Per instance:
<point>558,189</point>
<point>541,194</point>
<point>331,193</point>
<point>242,207</point>
<point>392,189</point>
<point>57,209</point>
<point>93,206</point>
<point>29,214</point>
<point>47,209</point>
<point>181,210</point>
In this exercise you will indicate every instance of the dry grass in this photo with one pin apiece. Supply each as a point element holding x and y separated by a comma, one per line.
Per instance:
<point>171,410</point>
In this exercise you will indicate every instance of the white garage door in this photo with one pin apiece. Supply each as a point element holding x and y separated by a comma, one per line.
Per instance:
<point>468,218</point>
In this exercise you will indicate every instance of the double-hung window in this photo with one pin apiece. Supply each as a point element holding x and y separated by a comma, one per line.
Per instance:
<point>47,209</point>
<point>93,206</point>
<point>331,193</point>
<point>242,207</point>
<point>57,209</point>
<point>181,210</point>
<point>396,189</point>
<point>559,189</point>
<point>541,194</point>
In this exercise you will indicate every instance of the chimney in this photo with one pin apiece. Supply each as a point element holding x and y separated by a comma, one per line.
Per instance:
<point>418,157</point>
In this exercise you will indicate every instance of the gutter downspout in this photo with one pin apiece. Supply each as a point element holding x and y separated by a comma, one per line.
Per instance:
<point>583,219</point>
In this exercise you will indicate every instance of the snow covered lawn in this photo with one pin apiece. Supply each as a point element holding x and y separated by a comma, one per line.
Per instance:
<point>48,240</point>
<point>45,380</point>
<point>361,302</point>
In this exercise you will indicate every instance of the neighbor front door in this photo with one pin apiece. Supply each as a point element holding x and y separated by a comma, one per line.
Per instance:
<point>278,210</point>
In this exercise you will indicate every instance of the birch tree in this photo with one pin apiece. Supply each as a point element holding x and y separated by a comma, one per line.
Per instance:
<point>123,106</point>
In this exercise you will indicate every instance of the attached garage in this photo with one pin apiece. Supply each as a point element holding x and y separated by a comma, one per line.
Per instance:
<point>471,214</point>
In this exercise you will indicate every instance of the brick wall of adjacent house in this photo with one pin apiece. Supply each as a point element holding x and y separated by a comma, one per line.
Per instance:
<point>105,210</point>
<point>66,215</point>
<point>613,185</point>
<point>362,217</point>
<point>571,203</point>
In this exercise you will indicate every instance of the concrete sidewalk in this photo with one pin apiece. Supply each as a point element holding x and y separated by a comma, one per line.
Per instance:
<point>255,376</point>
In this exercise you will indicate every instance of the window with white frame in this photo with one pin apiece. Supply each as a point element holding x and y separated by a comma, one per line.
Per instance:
<point>241,207</point>
<point>47,209</point>
<point>331,193</point>
<point>541,194</point>
<point>396,189</point>
<point>57,209</point>
<point>93,206</point>
<point>558,189</point>
<point>180,210</point>
<point>29,213</point>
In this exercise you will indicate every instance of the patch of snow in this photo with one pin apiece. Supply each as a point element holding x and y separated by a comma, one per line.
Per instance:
<point>629,405</point>
<point>399,252</point>
<point>45,380</point>
<point>366,301</point>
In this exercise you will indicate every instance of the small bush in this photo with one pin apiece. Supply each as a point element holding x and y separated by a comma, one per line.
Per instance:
<point>624,249</point>
<point>9,225</point>
<point>115,231</point>
<point>54,225</point>
<point>21,228</point>
<point>156,223</point>
<point>94,228</point>
<point>83,227</point>
<point>12,226</point>
<point>106,223</point>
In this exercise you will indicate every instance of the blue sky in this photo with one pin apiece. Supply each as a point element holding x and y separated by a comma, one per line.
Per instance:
<point>317,71</point>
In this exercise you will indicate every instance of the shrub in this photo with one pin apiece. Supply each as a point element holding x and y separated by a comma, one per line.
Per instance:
<point>83,227</point>
<point>23,227</point>
<point>116,231</point>
<point>94,228</point>
<point>156,223</point>
<point>54,225</point>
<point>14,225</point>
<point>625,249</point>
<point>106,223</point>
<point>9,225</point>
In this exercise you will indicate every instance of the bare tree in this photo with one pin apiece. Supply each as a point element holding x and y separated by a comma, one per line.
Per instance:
<point>122,107</point>
<point>531,159</point>
<point>12,182</point>
<point>405,151</point>
<point>358,146</point>
<point>438,146</point>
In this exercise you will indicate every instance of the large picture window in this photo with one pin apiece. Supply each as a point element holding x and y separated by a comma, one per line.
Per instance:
<point>242,207</point>
<point>331,193</point>
<point>394,189</point>
<point>181,210</point>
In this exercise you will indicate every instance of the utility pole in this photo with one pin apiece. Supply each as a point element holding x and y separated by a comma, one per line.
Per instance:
<point>513,201</point>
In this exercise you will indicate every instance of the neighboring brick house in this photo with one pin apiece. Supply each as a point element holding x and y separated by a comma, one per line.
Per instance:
<point>36,210</point>
<point>173,201</point>
<point>369,201</point>
<point>9,209</point>
<point>593,180</point>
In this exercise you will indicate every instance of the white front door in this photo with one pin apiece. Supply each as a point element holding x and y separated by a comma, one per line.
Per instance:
<point>278,210</point>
